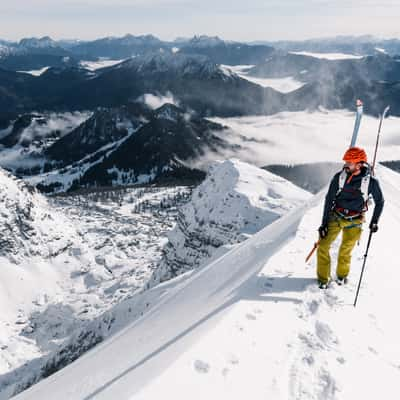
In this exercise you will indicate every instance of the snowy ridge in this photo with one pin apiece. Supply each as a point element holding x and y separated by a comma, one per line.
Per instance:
<point>235,201</point>
<point>286,339</point>
<point>291,340</point>
<point>168,327</point>
<point>177,63</point>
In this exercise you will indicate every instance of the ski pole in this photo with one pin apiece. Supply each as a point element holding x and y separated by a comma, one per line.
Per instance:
<point>378,136</point>
<point>316,244</point>
<point>362,270</point>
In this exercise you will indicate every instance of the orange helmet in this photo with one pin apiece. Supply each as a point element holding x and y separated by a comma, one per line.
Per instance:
<point>355,155</point>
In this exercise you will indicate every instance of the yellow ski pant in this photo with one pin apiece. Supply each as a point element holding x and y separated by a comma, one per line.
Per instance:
<point>351,234</point>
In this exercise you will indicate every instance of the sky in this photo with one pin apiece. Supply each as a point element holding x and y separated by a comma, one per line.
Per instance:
<point>230,19</point>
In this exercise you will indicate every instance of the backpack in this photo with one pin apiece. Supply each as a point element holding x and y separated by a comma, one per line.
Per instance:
<point>363,188</point>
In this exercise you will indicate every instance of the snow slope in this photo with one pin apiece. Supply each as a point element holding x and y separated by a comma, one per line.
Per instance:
<point>252,323</point>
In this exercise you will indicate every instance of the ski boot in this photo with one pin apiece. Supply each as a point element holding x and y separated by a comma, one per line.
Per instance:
<point>341,280</point>
<point>323,285</point>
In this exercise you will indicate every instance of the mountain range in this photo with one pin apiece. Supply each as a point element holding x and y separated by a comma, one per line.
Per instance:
<point>130,131</point>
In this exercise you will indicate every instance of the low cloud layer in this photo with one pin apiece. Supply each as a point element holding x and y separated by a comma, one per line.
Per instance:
<point>63,122</point>
<point>157,100</point>
<point>303,137</point>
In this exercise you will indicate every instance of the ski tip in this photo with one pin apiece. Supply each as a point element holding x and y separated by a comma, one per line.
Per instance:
<point>386,110</point>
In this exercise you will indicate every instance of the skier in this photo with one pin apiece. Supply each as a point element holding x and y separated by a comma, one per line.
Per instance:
<point>345,206</point>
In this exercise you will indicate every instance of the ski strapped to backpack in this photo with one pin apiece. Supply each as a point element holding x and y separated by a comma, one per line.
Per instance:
<point>357,123</point>
<point>359,114</point>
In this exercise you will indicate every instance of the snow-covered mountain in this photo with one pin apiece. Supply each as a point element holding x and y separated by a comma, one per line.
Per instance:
<point>119,47</point>
<point>130,145</point>
<point>27,227</point>
<point>4,50</point>
<point>23,142</point>
<point>33,42</point>
<point>234,202</point>
<point>226,52</point>
<point>253,321</point>
<point>67,265</point>
<point>344,44</point>
<point>177,64</point>
<point>90,265</point>
<point>104,127</point>
<point>204,41</point>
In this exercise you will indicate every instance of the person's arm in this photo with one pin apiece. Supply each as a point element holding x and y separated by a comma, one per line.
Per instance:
<point>330,198</point>
<point>377,195</point>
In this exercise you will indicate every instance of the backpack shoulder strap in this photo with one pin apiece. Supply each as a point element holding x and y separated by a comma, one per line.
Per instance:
<point>364,186</point>
<point>342,180</point>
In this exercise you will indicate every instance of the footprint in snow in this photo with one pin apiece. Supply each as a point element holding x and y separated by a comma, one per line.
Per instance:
<point>325,333</point>
<point>328,386</point>
<point>201,366</point>
<point>225,371</point>
<point>313,306</point>
<point>309,359</point>
<point>233,360</point>
<point>251,317</point>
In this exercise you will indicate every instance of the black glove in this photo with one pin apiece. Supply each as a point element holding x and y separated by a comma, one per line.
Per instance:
<point>323,231</point>
<point>373,226</point>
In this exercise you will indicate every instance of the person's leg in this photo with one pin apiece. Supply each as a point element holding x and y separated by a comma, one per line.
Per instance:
<point>323,256</point>
<point>351,235</point>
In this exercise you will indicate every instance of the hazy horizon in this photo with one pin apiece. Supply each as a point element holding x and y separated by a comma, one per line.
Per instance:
<point>255,40</point>
<point>231,20</point>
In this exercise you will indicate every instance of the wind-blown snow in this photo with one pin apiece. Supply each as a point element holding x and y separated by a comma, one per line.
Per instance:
<point>328,56</point>
<point>253,323</point>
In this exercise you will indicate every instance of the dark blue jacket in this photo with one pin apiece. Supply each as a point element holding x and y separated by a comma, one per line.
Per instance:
<point>351,197</point>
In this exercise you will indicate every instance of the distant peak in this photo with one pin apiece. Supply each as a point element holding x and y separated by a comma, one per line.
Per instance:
<point>205,41</point>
